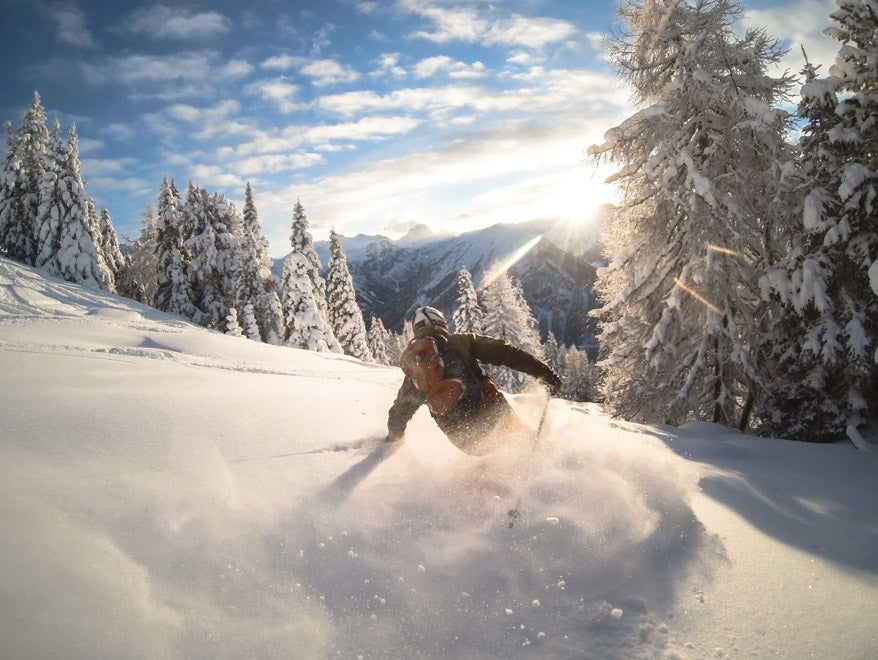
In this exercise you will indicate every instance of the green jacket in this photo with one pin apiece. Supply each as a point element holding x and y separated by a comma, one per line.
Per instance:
<point>473,349</point>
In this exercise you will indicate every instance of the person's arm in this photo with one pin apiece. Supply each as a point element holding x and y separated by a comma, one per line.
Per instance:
<point>408,400</point>
<point>502,353</point>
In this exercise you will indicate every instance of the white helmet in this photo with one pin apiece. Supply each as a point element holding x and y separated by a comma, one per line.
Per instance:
<point>428,318</point>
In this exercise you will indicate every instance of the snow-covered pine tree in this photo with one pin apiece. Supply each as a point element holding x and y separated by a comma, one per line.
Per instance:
<point>79,256</point>
<point>267,306</point>
<point>255,267</point>
<point>508,317</point>
<point>553,353</point>
<point>468,315</point>
<point>138,280</point>
<point>110,251</point>
<point>703,167</point>
<point>578,376</point>
<point>303,299</point>
<point>210,225</point>
<point>345,315</point>
<point>47,226</point>
<point>20,184</point>
<point>831,380</point>
<point>379,339</point>
<point>173,289</point>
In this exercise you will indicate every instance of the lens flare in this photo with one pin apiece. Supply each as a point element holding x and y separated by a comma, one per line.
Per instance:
<point>698,297</point>
<point>725,250</point>
<point>508,263</point>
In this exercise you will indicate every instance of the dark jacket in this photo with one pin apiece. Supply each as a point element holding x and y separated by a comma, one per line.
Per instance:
<point>461,426</point>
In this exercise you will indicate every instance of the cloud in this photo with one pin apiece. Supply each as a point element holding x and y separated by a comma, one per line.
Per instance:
<point>798,24</point>
<point>529,32</point>
<point>137,69</point>
<point>388,65</point>
<point>70,25</point>
<point>451,24</point>
<point>329,72</point>
<point>237,68</point>
<point>417,99</point>
<point>442,63</point>
<point>465,24</point>
<point>278,91</point>
<point>282,62</point>
<point>178,23</point>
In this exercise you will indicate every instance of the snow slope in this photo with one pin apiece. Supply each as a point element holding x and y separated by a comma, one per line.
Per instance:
<point>166,491</point>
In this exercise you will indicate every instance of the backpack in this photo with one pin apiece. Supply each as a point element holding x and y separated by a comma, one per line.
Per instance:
<point>451,386</point>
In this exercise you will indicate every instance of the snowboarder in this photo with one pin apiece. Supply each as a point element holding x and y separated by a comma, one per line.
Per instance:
<point>442,370</point>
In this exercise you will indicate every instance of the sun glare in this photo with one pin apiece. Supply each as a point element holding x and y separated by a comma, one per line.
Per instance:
<point>492,275</point>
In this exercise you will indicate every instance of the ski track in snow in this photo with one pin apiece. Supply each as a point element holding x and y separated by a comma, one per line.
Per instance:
<point>172,492</point>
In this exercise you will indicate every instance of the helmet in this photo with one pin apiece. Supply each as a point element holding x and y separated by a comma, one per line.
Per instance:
<point>428,318</point>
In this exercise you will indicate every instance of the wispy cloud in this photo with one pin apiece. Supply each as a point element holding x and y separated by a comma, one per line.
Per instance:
<point>529,32</point>
<point>442,63</point>
<point>278,91</point>
<point>136,69</point>
<point>328,72</point>
<point>70,25</point>
<point>450,24</point>
<point>466,23</point>
<point>178,23</point>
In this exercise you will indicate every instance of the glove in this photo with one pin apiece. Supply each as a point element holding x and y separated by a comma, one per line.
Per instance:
<point>552,382</point>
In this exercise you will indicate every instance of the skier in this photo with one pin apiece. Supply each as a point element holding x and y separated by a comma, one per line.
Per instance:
<point>442,370</point>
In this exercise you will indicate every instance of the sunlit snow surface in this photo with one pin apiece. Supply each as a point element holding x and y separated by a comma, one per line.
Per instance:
<point>171,492</point>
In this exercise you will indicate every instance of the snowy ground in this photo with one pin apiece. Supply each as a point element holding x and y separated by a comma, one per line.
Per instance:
<point>171,492</point>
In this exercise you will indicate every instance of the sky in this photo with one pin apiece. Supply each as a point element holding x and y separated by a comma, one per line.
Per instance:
<point>377,115</point>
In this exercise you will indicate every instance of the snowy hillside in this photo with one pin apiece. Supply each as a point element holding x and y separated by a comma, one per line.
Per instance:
<point>166,491</point>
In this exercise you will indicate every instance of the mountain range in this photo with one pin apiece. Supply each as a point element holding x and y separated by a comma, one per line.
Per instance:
<point>393,277</point>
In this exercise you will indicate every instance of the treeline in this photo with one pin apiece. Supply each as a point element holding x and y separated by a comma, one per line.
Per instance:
<point>46,218</point>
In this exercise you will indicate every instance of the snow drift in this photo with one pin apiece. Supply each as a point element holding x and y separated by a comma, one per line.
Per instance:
<point>172,492</point>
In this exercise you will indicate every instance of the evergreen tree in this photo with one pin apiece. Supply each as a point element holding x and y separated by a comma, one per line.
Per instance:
<point>508,317</point>
<point>304,304</point>
<point>20,184</point>
<point>468,315</point>
<point>345,315</point>
<point>579,375</point>
<point>79,256</point>
<point>138,280</point>
<point>208,232</point>
<point>110,251</point>
<point>704,171</point>
<point>52,208</point>
<point>553,353</point>
<point>253,255</point>
<point>379,340</point>
<point>173,290</point>
<point>831,379</point>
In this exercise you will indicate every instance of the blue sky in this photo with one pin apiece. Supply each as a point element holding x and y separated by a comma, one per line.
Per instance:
<point>377,114</point>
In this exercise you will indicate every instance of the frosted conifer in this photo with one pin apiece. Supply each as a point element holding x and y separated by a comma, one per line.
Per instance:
<point>508,317</point>
<point>345,315</point>
<point>379,340</point>
<point>831,380</point>
<point>468,315</point>
<point>705,173</point>
<point>20,184</point>
<point>173,289</point>
<point>79,257</point>
<point>303,299</point>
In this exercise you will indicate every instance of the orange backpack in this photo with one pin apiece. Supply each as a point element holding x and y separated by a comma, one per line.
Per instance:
<point>450,386</point>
